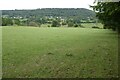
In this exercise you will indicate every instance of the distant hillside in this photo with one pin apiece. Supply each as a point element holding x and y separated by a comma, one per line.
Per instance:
<point>74,13</point>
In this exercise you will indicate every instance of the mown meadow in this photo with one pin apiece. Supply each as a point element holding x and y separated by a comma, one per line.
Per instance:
<point>33,52</point>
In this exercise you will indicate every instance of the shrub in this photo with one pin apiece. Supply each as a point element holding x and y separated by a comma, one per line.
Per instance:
<point>70,24</point>
<point>33,24</point>
<point>63,23</point>
<point>96,27</point>
<point>81,26</point>
<point>104,27</point>
<point>48,25</point>
<point>76,25</point>
<point>55,23</point>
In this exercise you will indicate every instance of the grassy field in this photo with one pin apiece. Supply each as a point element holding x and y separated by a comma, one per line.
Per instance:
<point>30,52</point>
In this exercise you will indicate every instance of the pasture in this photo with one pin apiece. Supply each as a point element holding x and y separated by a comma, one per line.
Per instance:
<point>31,52</point>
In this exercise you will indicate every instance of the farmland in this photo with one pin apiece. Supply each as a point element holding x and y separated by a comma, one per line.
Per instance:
<point>33,52</point>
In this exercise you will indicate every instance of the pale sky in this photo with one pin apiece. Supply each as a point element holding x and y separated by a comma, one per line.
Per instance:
<point>34,4</point>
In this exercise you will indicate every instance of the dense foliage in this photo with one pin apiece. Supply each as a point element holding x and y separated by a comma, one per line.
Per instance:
<point>78,13</point>
<point>108,13</point>
<point>53,16</point>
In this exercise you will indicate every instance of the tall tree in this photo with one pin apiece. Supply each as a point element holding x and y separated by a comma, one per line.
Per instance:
<point>108,14</point>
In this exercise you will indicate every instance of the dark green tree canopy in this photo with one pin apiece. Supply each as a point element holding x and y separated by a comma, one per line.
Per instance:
<point>109,14</point>
<point>55,23</point>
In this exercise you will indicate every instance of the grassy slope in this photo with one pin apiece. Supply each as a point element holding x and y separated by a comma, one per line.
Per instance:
<point>26,52</point>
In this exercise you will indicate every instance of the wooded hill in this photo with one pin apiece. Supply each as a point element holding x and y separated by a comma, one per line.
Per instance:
<point>74,13</point>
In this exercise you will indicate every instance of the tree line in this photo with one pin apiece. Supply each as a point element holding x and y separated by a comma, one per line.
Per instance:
<point>55,17</point>
<point>54,22</point>
<point>74,13</point>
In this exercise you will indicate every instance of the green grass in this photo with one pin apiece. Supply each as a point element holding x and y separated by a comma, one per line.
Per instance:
<point>30,52</point>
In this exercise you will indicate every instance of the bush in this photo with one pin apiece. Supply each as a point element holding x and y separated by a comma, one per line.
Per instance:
<point>34,24</point>
<point>76,25</point>
<point>63,23</point>
<point>55,23</point>
<point>81,26</point>
<point>48,25</point>
<point>16,22</point>
<point>70,24</point>
<point>104,27</point>
<point>96,27</point>
<point>7,22</point>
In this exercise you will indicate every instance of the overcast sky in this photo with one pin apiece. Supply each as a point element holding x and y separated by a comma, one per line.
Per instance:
<point>34,4</point>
